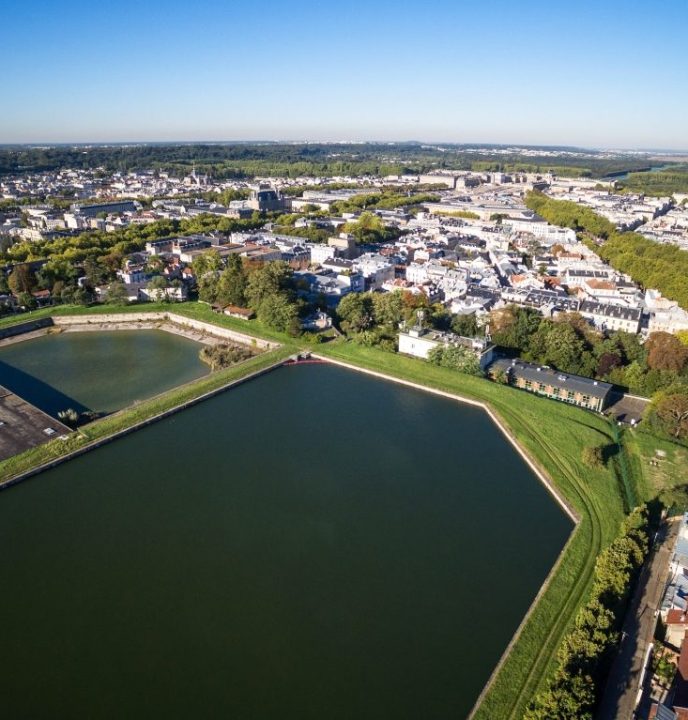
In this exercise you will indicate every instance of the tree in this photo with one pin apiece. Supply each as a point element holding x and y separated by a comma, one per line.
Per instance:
<point>208,287</point>
<point>663,667</point>
<point>268,279</point>
<point>388,308</point>
<point>465,325</point>
<point>513,326</point>
<point>116,294</point>
<point>456,357</point>
<point>232,283</point>
<point>207,262</point>
<point>369,228</point>
<point>95,273</point>
<point>160,288</point>
<point>593,456</point>
<point>21,280</point>
<point>607,362</point>
<point>278,312</point>
<point>27,300</point>
<point>668,413</point>
<point>355,312</point>
<point>556,343</point>
<point>666,352</point>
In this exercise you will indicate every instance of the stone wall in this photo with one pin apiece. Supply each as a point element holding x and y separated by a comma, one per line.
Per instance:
<point>25,327</point>
<point>146,318</point>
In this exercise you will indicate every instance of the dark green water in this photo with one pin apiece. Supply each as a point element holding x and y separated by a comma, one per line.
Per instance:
<point>99,371</point>
<point>312,544</point>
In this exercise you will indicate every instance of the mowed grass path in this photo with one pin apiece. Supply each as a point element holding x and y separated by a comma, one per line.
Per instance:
<point>553,435</point>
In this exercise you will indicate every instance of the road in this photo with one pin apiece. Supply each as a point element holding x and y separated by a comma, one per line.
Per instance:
<point>621,692</point>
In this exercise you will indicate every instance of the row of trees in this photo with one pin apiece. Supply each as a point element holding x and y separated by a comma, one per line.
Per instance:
<point>650,264</point>
<point>383,200</point>
<point>587,650</point>
<point>570,344</point>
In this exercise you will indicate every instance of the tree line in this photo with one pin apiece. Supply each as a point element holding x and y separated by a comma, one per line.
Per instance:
<point>650,264</point>
<point>585,655</point>
<point>239,160</point>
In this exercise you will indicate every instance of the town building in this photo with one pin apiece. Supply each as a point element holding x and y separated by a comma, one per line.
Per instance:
<point>565,387</point>
<point>611,317</point>
<point>419,342</point>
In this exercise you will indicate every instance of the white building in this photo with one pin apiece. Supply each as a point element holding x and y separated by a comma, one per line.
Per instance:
<point>419,342</point>
<point>612,317</point>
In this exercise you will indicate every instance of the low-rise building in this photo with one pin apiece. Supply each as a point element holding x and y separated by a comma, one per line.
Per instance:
<point>542,380</point>
<point>611,317</point>
<point>419,342</point>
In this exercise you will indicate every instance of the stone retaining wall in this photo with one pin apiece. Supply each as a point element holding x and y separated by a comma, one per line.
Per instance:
<point>25,327</point>
<point>146,320</point>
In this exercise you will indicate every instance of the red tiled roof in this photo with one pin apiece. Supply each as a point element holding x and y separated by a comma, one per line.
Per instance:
<point>677,616</point>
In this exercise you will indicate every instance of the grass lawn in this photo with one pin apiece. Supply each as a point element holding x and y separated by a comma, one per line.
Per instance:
<point>554,435</point>
<point>658,472</point>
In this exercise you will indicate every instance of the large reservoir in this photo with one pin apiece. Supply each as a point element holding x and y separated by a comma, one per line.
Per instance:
<point>312,544</point>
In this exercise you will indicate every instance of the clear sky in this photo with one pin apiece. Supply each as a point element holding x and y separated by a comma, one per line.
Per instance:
<point>597,73</point>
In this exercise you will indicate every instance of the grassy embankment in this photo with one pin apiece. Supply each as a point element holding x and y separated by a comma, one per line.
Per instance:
<point>663,475</point>
<point>193,310</point>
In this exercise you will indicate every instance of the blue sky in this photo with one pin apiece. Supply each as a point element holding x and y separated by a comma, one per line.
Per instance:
<point>595,74</point>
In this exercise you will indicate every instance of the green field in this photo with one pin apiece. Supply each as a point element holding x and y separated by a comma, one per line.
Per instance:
<point>553,434</point>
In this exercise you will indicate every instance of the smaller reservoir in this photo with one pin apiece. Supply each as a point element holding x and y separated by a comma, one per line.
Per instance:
<point>98,371</point>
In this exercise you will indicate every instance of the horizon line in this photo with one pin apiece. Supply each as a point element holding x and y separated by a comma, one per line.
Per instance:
<point>255,141</point>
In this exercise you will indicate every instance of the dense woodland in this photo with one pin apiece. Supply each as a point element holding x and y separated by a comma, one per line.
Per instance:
<point>660,183</point>
<point>245,160</point>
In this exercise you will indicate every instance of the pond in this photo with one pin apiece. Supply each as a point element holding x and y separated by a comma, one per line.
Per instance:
<point>314,543</point>
<point>98,371</point>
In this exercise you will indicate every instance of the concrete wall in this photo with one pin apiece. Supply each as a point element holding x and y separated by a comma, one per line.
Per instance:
<point>25,327</point>
<point>221,332</point>
<point>146,318</point>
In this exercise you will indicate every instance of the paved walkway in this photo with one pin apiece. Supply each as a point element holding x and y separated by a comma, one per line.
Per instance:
<point>626,407</point>
<point>621,693</point>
